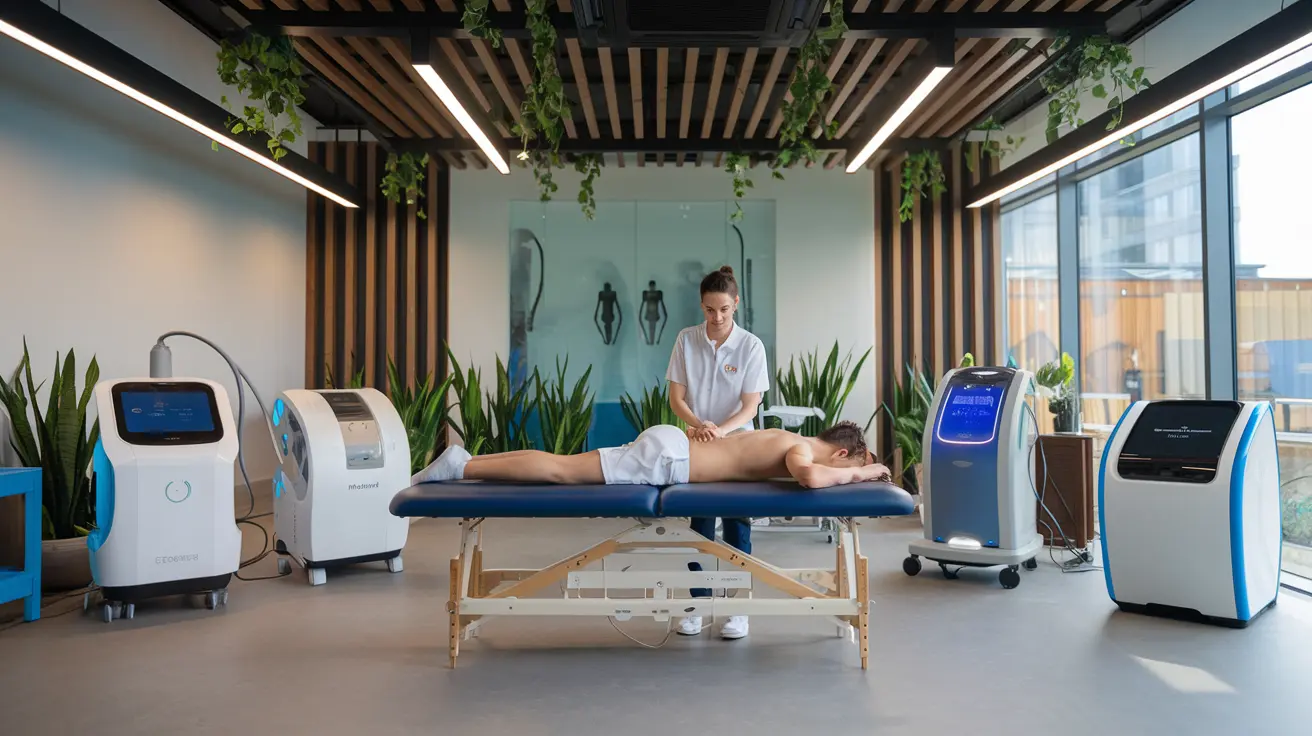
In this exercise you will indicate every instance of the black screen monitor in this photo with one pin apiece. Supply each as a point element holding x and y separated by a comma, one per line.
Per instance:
<point>167,413</point>
<point>1178,441</point>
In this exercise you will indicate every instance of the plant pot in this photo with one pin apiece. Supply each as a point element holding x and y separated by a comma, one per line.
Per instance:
<point>1066,421</point>
<point>65,564</point>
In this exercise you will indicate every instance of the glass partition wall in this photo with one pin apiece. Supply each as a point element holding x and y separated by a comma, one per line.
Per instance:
<point>1147,268</point>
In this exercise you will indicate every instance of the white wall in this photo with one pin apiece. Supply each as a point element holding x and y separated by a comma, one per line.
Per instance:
<point>1189,34</point>
<point>825,242</point>
<point>117,224</point>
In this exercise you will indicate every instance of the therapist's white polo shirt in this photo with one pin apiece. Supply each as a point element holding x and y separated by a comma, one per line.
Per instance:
<point>717,378</point>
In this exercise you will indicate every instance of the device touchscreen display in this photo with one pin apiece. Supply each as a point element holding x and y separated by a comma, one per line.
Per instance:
<point>167,413</point>
<point>1181,431</point>
<point>970,413</point>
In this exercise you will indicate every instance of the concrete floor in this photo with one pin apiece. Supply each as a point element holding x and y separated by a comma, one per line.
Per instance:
<point>367,654</point>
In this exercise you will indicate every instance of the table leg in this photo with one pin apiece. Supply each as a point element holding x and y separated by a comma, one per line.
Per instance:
<point>32,550</point>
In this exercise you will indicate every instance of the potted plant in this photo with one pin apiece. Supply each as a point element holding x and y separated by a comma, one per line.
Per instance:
<point>57,441</point>
<point>1057,384</point>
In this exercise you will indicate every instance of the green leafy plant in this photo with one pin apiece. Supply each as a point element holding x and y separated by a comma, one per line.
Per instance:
<point>991,146</point>
<point>268,72</point>
<point>56,441</point>
<point>736,165</point>
<point>1056,380</point>
<point>653,409</point>
<point>498,426</point>
<point>424,413</point>
<point>919,170</point>
<point>1095,65</point>
<point>1296,516</point>
<point>356,380</point>
<point>912,396</point>
<point>809,87</point>
<point>823,386</point>
<point>475,21</point>
<point>589,165</point>
<point>545,107</point>
<point>405,179</point>
<point>565,417</point>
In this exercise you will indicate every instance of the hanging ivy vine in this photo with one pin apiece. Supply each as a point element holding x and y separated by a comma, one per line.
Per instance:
<point>920,170</point>
<point>545,107</point>
<point>404,179</point>
<point>809,87</point>
<point>475,21</point>
<point>736,165</point>
<point>268,72</point>
<point>589,165</point>
<point>992,146</point>
<point>1095,65</point>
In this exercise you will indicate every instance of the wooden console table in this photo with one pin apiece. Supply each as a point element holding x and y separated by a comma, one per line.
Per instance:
<point>1069,478</point>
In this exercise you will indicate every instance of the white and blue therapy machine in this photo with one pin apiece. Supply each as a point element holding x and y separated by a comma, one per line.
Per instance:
<point>1189,510</point>
<point>164,467</point>
<point>344,454</point>
<point>977,493</point>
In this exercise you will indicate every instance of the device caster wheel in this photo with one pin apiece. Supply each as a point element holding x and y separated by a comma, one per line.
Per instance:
<point>829,539</point>
<point>395,564</point>
<point>284,566</point>
<point>223,597</point>
<point>107,612</point>
<point>911,566</point>
<point>129,611</point>
<point>1031,564</point>
<point>946,572</point>
<point>317,575</point>
<point>1009,577</point>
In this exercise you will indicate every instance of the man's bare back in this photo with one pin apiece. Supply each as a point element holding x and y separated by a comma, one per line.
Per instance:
<point>745,456</point>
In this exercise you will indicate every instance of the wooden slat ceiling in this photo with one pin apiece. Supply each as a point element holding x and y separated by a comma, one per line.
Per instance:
<point>671,93</point>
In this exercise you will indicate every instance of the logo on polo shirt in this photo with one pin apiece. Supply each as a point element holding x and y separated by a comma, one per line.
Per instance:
<point>731,369</point>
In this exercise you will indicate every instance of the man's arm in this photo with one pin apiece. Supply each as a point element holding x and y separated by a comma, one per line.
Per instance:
<point>810,475</point>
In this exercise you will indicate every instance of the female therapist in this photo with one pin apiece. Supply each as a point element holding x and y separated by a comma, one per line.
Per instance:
<point>717,375</point>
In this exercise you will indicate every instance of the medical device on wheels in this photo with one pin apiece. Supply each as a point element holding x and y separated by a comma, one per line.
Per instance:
<point>344,454</point>
<point>164,492</point>
<point>1189,510</point>
<point>978,496</point>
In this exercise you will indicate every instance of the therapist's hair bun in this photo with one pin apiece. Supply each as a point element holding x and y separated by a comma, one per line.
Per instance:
<point>720,282</point>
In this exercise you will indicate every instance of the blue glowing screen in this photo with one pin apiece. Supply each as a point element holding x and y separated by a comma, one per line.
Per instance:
<point>167,412</point>
<point>970,413</point>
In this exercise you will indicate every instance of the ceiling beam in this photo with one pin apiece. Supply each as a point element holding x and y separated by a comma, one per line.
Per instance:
<point>512,24</point>
<point>672,145</point>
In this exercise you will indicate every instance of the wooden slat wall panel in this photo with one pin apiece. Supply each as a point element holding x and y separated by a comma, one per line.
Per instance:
<point>936,281</point>
<point>376,277</point>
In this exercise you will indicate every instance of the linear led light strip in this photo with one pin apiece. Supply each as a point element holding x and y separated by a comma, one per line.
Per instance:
<point>1161,114</point>
<point>913,100</point>
<point>108,81</point>
<point>448,98</point>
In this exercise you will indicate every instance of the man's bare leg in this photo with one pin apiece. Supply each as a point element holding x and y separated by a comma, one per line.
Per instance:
<point>536,466</point>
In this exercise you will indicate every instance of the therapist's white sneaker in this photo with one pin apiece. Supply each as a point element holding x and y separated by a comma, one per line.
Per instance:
<point>450,465</point>
<point>690,626</point>
<point>734,628</point>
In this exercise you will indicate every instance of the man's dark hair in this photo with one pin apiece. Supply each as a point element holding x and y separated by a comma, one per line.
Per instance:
<point>847,436</point>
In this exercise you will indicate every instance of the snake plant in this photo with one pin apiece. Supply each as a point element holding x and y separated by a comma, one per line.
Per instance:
<point>424,413</point>
<point>498,426</point>
<point>651,410</point>
<point>823,386</point>
<point>565,418</point>
<point>56,441</point>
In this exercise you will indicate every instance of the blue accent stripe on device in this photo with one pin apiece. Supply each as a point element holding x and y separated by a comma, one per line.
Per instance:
<point>1102,507</point>
<point>104,474</point>
<point>1242,611</point>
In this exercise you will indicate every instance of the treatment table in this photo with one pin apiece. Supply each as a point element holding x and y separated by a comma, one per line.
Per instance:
<point>475,593</point>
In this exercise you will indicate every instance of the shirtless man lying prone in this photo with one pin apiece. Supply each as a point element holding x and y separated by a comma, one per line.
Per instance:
<point>663,456</point>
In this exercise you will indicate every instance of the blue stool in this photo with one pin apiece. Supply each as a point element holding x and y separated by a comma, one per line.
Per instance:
<point>24,583</point>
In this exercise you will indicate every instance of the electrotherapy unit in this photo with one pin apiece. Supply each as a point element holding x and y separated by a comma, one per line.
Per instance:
<point>977,492</point>
<point>1189,510</point>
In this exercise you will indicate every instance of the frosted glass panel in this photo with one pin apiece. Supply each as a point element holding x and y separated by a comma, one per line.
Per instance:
<point>612,293</point>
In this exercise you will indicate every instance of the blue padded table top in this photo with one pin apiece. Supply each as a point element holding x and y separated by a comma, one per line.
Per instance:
<point>783,498</point>
<point>467,500</point>
<point>477,499</point>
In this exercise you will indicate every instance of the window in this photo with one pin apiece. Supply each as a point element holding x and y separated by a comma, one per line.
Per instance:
<point>1141,295</point>
<point>1029,268</point>
<point>1273,294</point>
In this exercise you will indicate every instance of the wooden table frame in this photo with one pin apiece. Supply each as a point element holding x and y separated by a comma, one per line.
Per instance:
<point>841,593</point>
